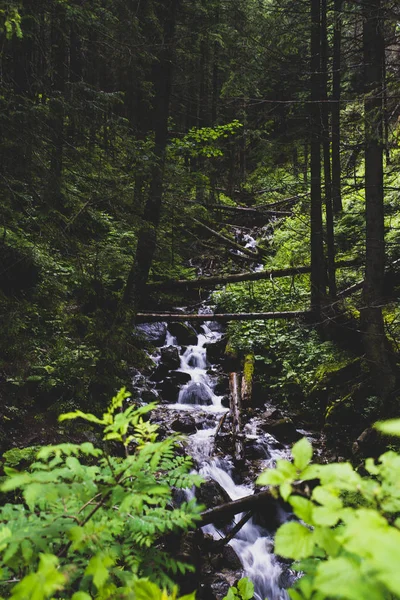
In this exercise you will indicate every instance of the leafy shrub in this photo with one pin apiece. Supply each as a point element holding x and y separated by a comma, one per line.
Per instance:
<point>347,543</point>
<point>87,522</point>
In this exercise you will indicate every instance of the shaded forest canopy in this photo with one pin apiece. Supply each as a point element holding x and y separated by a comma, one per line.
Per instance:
<point>141,142</point>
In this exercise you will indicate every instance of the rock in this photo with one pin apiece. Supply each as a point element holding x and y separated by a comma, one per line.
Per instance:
<point>169,390</point>
<point>179,377</point>
<point>160,373</point>
<point>170,357</point>
<point>225,402</point>
<point>230,559</point>
<point>153,332</point>
<point>212,494</point>
<point>256,450</point>
<point>272,413</point>
<point>368,443</point>
<point>149,396</point>
<point>185,334</point>
<point>214,588</point>
<point>222,386</point>
<point>184,424</point>
<point>283,429</point>
<point>197,393</point>
<point>215,350</point>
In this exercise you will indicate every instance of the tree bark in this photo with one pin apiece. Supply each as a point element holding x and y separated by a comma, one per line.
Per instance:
<point>147,239</point>
<point>236,408</point>
<point>336,93</point>
<point>237,506</point>
<point>371,314</point>
<point>330,236</point>
<point>317,248</point>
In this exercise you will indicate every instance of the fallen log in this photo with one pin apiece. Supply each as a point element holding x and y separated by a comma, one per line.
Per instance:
<point>223,317</point>
<point>258,212</point>
<point>359,285</point>
<point>203,282</point>
<point>221,543</point>
<point>232,243</point>
<point>236,407</point>
<point>248,503</point>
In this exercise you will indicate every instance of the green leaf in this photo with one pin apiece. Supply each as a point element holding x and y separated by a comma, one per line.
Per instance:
<point>98,569</point>
<point>390,427</point>
<point>343,578</point>
<point>81,596</point>
<point>5,537</point>
<point>145,590</point>
<point>303,508</point>
<point>302,453</point>
<point>293,540</point>
<point>246,588</point>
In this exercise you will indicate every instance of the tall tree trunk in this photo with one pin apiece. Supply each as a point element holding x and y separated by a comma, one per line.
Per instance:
<point>330,237</point>
<point>317,250</point>
<point>371,314</point>
<point>147,239</point>
<point>336,92</point>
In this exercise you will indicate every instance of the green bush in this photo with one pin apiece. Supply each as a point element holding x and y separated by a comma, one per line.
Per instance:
<point>88,522</point>
<point>347,543</point>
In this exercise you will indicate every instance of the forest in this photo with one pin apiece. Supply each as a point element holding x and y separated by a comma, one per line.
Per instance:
<point>199,299</point>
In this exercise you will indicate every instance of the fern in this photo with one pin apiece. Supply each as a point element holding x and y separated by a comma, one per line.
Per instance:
<point>90,522</point>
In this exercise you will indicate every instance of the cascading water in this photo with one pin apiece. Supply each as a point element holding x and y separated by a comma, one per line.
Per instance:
<point>252,544</point>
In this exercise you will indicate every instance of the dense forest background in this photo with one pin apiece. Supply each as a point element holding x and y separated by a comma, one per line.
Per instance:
<point>126,126</point>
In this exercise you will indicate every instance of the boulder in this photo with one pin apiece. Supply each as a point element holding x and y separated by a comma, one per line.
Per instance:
<point>283,429</point>
<point>160,373</point>
<point>256,450</point>
<point>197,393</point>
<point>212,494</point>
<point>185,334</point>
<point>179,378</point>
<point>153,332</point>
<point>169,390</point>
<point>222,386</point>
<point>230,559</point>
<point>215,350</point>
<point>170,357</point>
<point>184,424</point>
<point>215,587</point>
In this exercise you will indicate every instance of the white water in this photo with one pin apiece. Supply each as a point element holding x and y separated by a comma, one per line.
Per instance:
<point>252,544</point>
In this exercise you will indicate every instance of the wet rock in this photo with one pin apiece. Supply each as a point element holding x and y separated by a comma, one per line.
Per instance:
<point>225,402</point>
<point>222,386</point>
<point>197,393</point>
<point>283,429</point>
<point>368,443</point>
<point>272,413</point>
<point>184,424</point>
<point>149,396</point>
<point>169,390</point>
<point>212,494</point>
<point>230,559</point>
<point>153,332</point>
<point>160,373</point>
<point>215,350</point>
<point>170,357</point>
<point>286,578</point>
<point>179,377</point>
<point>256,450</point>
<point>214,588</point>
<point>185,334</point>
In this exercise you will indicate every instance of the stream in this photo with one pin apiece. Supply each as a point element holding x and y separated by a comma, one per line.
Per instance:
<point>196,397</point>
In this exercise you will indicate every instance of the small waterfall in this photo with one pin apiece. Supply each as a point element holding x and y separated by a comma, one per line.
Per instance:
<point>253,544</point>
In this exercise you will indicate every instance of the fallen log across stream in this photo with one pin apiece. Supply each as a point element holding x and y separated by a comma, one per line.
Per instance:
<point>234,507</point>
<point>223,317</point>
<point>203,282</point>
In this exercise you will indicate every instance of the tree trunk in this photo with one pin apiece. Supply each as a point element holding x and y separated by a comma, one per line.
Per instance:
<point>236,409</point>
<point>336,92</point>
<point>147,238</point>
<point>330,237</point>
<point>317,249</point>
<point>371,314</point>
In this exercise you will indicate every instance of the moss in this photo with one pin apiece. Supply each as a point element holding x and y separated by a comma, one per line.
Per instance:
<point>248,368</point>
<point>20,457</point>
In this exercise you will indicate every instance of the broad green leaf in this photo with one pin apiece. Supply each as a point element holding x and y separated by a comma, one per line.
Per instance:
<point>342,578</point>
<point>81,596</point>
<point>80,414</point>
<point>146,590</point>
<point>302,508</point>
<point>5,537</point>
<point>246,588</point>
<point>302,453</point>
<point>390,427</point>
<point>293,540</point>
<point>98,569</point>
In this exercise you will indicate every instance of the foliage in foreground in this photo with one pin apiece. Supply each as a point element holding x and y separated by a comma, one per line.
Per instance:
<point>347,542</point>
<point>88,522</point>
